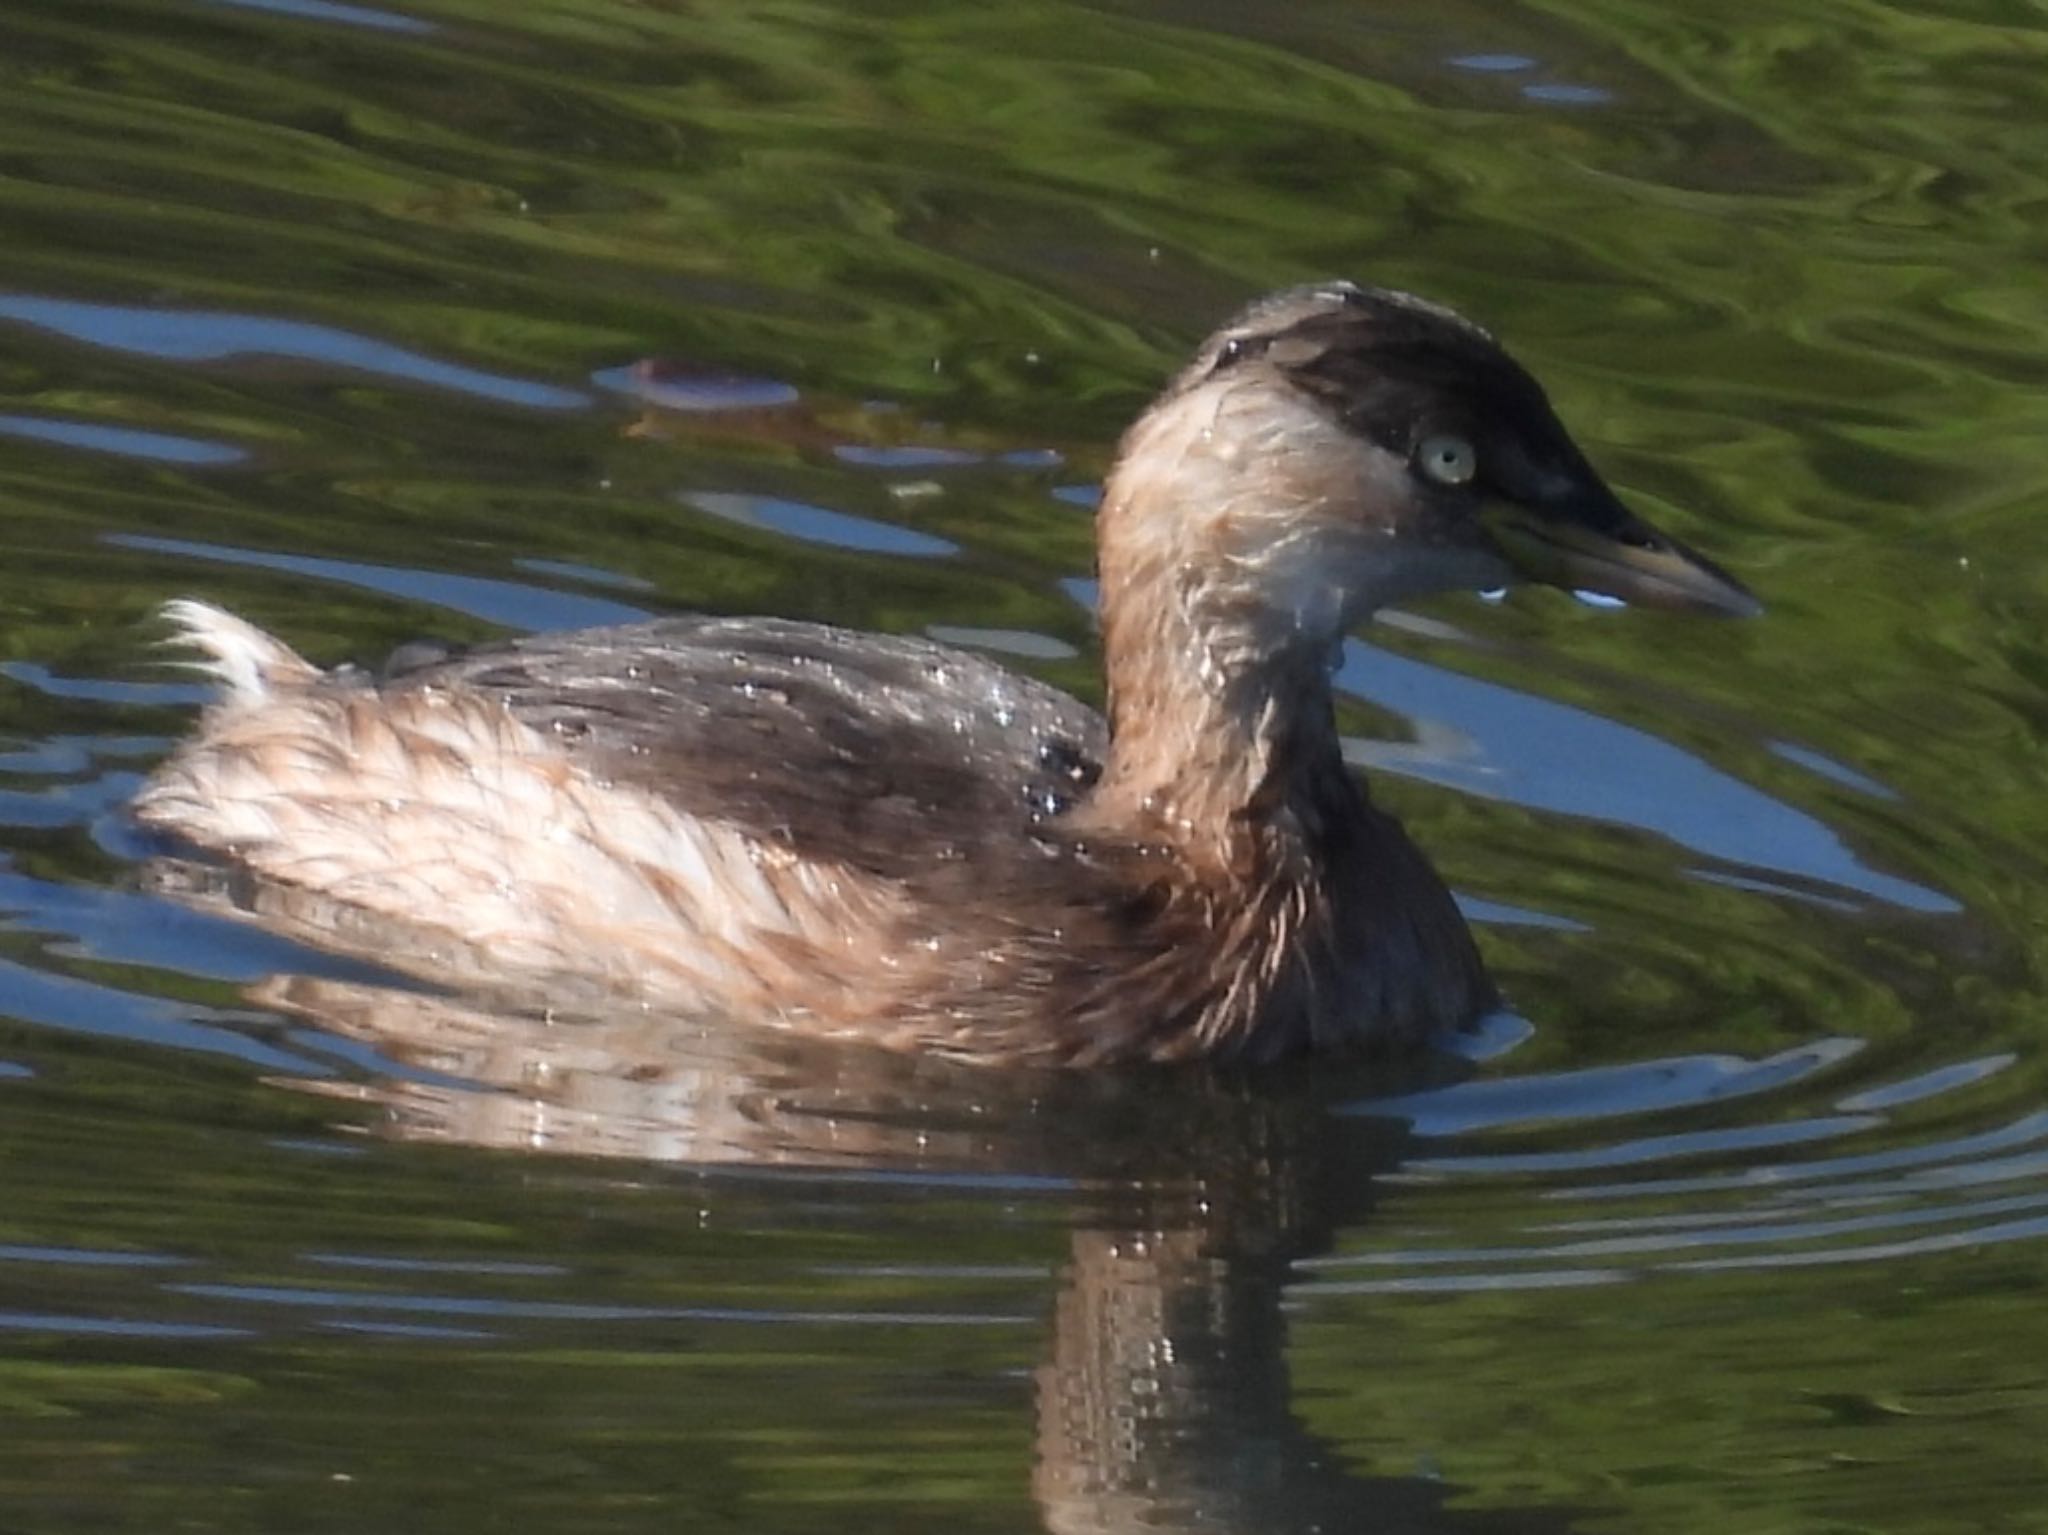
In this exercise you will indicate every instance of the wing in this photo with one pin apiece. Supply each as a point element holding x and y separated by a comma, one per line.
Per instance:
<point>879,752</point>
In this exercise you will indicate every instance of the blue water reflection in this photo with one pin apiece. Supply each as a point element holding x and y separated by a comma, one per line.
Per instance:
<point>1601,1092</point>
<point>1826,767</point>
<point>126,928</point>
<point>516,604</point>
<point>1562,94</point>
<point>196,335</point>
<point>58,1325</point>
<point>89,1009</point>
<point>329,10</point>
<point>1493,741</point>
<point>905,456</point>
<point>121,441</point>
<point>104,690</point>
<point>673,387</point>
<point>817,525</point>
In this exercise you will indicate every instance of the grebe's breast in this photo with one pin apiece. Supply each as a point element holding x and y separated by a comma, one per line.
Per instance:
<point>879,753</point>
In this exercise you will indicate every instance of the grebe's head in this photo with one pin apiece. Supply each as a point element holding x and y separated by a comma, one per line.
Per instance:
<point>1334,447</point>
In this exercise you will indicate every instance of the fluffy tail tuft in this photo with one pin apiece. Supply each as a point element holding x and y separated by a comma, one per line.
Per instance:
<point>241,657</point>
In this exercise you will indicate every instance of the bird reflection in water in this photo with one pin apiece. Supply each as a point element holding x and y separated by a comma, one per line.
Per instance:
<point>1163,1401</point>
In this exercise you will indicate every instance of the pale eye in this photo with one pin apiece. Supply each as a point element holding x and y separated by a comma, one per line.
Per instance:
<point>1447,460</point>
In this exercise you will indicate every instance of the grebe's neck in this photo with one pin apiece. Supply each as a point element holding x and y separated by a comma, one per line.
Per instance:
<point>1221,606</point>
<point>1209,743</point>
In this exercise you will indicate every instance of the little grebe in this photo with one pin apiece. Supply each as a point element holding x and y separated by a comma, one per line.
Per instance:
<point>883,839</point>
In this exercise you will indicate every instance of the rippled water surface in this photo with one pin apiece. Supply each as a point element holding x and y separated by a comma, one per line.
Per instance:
<point>455,318</point>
